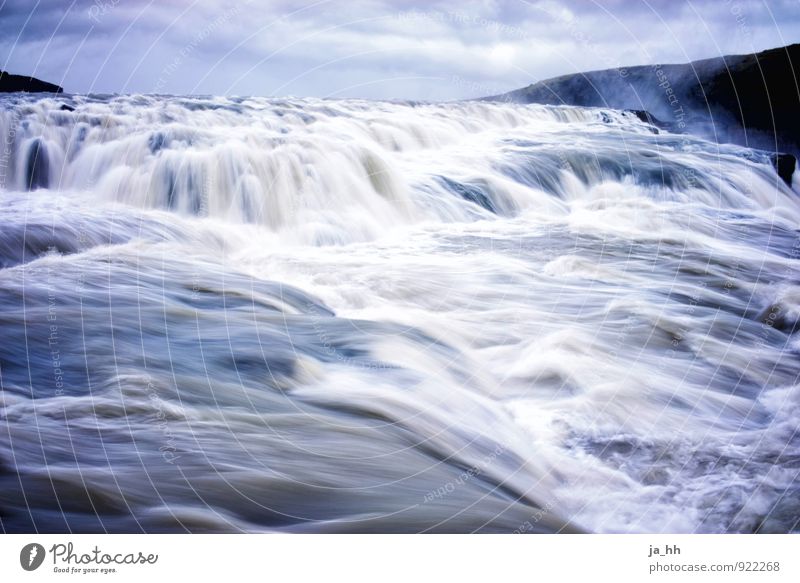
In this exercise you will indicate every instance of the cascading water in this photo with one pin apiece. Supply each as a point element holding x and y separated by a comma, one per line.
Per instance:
<point>316,315</point>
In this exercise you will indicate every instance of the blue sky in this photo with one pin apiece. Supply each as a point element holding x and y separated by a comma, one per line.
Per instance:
<point>376,49</point>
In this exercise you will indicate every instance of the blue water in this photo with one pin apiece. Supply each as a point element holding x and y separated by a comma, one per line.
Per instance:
<point>334,316</point>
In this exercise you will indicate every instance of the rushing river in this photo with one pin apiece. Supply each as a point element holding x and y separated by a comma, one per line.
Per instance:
<point>322,316</point>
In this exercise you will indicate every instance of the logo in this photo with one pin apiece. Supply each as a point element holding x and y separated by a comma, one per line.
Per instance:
<point>31,556</point>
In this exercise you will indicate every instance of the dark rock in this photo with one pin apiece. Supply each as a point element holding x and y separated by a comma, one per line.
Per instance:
<point>751,100</point>
<point>37,169</point>
<point>10,83</point>
<point>469,193</point>
<point>156,142</point>
<point>65,107</point>
<point>779,318</point>
<point>647,117</point>
<point>785,165</point>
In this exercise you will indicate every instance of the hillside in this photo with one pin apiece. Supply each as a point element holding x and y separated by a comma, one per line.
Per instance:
<point>10,83</point>
<point>750,99</point>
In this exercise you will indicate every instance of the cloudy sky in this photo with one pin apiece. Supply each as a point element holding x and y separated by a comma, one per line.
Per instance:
<point>399,49</point>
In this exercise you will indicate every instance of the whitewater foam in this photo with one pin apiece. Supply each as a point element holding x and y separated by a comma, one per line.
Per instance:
<point>321,315</point>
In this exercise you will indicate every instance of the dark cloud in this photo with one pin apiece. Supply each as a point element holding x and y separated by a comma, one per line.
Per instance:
<point>372,48</point>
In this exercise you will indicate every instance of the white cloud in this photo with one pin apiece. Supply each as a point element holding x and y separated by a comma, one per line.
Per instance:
<point>372,48</point>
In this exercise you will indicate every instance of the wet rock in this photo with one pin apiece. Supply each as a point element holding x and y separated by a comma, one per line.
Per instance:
<point>784,164</point>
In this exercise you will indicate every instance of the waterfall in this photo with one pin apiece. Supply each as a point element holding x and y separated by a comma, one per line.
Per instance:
<point>339,315</point>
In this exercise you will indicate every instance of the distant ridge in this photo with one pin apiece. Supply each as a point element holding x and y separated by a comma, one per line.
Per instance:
<point>751,99</point>
<point>10,83</point>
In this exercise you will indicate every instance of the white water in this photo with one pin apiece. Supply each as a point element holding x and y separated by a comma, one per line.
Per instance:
<point>254,314</point>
